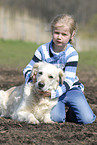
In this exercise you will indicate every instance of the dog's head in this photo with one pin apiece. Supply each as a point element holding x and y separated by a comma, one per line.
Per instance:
<point>47,76</point>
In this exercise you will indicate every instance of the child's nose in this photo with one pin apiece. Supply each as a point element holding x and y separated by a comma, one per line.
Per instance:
<point>59,35</point>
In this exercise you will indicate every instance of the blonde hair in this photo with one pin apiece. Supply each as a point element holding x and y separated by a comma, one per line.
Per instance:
<point>64,20</point>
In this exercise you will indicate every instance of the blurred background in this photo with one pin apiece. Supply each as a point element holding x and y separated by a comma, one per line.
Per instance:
<point>29,20</point>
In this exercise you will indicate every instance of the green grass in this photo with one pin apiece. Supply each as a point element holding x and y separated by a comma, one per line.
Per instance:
<point>19,53</point>
<point>88,59</point>
<point>16,53</point>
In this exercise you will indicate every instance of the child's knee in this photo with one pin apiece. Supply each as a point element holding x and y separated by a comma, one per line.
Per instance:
<point>89,119</point>
<point>57,118</point>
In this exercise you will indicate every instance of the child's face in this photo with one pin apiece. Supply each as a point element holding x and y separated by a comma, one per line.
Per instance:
<point>61,35</point>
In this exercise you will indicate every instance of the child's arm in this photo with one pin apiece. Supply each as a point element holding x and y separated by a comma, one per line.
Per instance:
<point>27,70</point>
<point>70,75</point>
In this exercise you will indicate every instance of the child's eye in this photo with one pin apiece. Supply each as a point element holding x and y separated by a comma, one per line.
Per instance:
<point>56,32</point>
<point>64,34</point>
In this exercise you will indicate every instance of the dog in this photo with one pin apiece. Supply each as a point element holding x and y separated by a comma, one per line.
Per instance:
<point>25,103</point>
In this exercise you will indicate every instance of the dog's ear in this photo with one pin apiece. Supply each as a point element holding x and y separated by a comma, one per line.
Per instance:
<point>61,76</point>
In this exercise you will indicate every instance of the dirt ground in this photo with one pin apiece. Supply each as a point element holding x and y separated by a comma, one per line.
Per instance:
<point>16,133</point>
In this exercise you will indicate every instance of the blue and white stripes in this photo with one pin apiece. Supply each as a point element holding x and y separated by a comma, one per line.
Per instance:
<point>66,60</point>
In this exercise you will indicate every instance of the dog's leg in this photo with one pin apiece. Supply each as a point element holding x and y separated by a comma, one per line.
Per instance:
<point>47,118</point>
<point>24,116</point>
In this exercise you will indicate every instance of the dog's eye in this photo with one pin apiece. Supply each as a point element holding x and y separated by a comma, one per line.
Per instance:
<point>51,77</point>
<point>40,73</point>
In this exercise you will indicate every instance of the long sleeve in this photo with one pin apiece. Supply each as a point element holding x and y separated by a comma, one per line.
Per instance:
<point>27,70</point>
<point>70,74</point>
<point>41,54</point>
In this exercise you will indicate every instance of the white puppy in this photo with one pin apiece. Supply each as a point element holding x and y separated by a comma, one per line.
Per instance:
<point>25,103</point>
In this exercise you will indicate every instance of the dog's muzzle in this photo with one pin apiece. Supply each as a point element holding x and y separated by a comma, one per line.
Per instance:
<point>41,85</point>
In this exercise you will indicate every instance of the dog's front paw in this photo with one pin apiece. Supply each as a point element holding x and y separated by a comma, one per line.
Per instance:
<point>32,119</point>
<point>23,116</point>
<point>47,119</point>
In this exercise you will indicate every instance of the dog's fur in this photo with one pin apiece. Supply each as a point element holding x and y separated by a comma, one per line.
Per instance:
<point>25,103</point>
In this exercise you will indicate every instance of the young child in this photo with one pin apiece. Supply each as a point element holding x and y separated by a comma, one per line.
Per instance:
<point>61,53</point>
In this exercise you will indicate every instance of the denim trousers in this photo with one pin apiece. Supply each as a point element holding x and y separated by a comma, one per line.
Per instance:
<point>79,109</point>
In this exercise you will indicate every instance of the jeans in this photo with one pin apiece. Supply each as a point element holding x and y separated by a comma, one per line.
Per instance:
<point>79,112</point>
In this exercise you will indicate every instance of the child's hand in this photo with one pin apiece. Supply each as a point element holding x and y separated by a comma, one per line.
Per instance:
<point>46,93</point>
<point>33,77</point>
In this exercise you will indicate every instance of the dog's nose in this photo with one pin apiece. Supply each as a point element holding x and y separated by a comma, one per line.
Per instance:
<point>41,85</point>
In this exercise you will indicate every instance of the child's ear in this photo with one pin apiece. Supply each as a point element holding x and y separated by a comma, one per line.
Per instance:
<point>73,33</point>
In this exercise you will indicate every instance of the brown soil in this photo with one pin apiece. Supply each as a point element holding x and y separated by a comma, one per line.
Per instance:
<point>17,133</point>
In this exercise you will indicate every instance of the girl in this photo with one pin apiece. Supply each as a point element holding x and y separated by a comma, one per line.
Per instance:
<point>61,53</point>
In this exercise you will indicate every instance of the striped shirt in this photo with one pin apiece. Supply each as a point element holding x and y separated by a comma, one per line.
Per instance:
<point>67,60</point>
